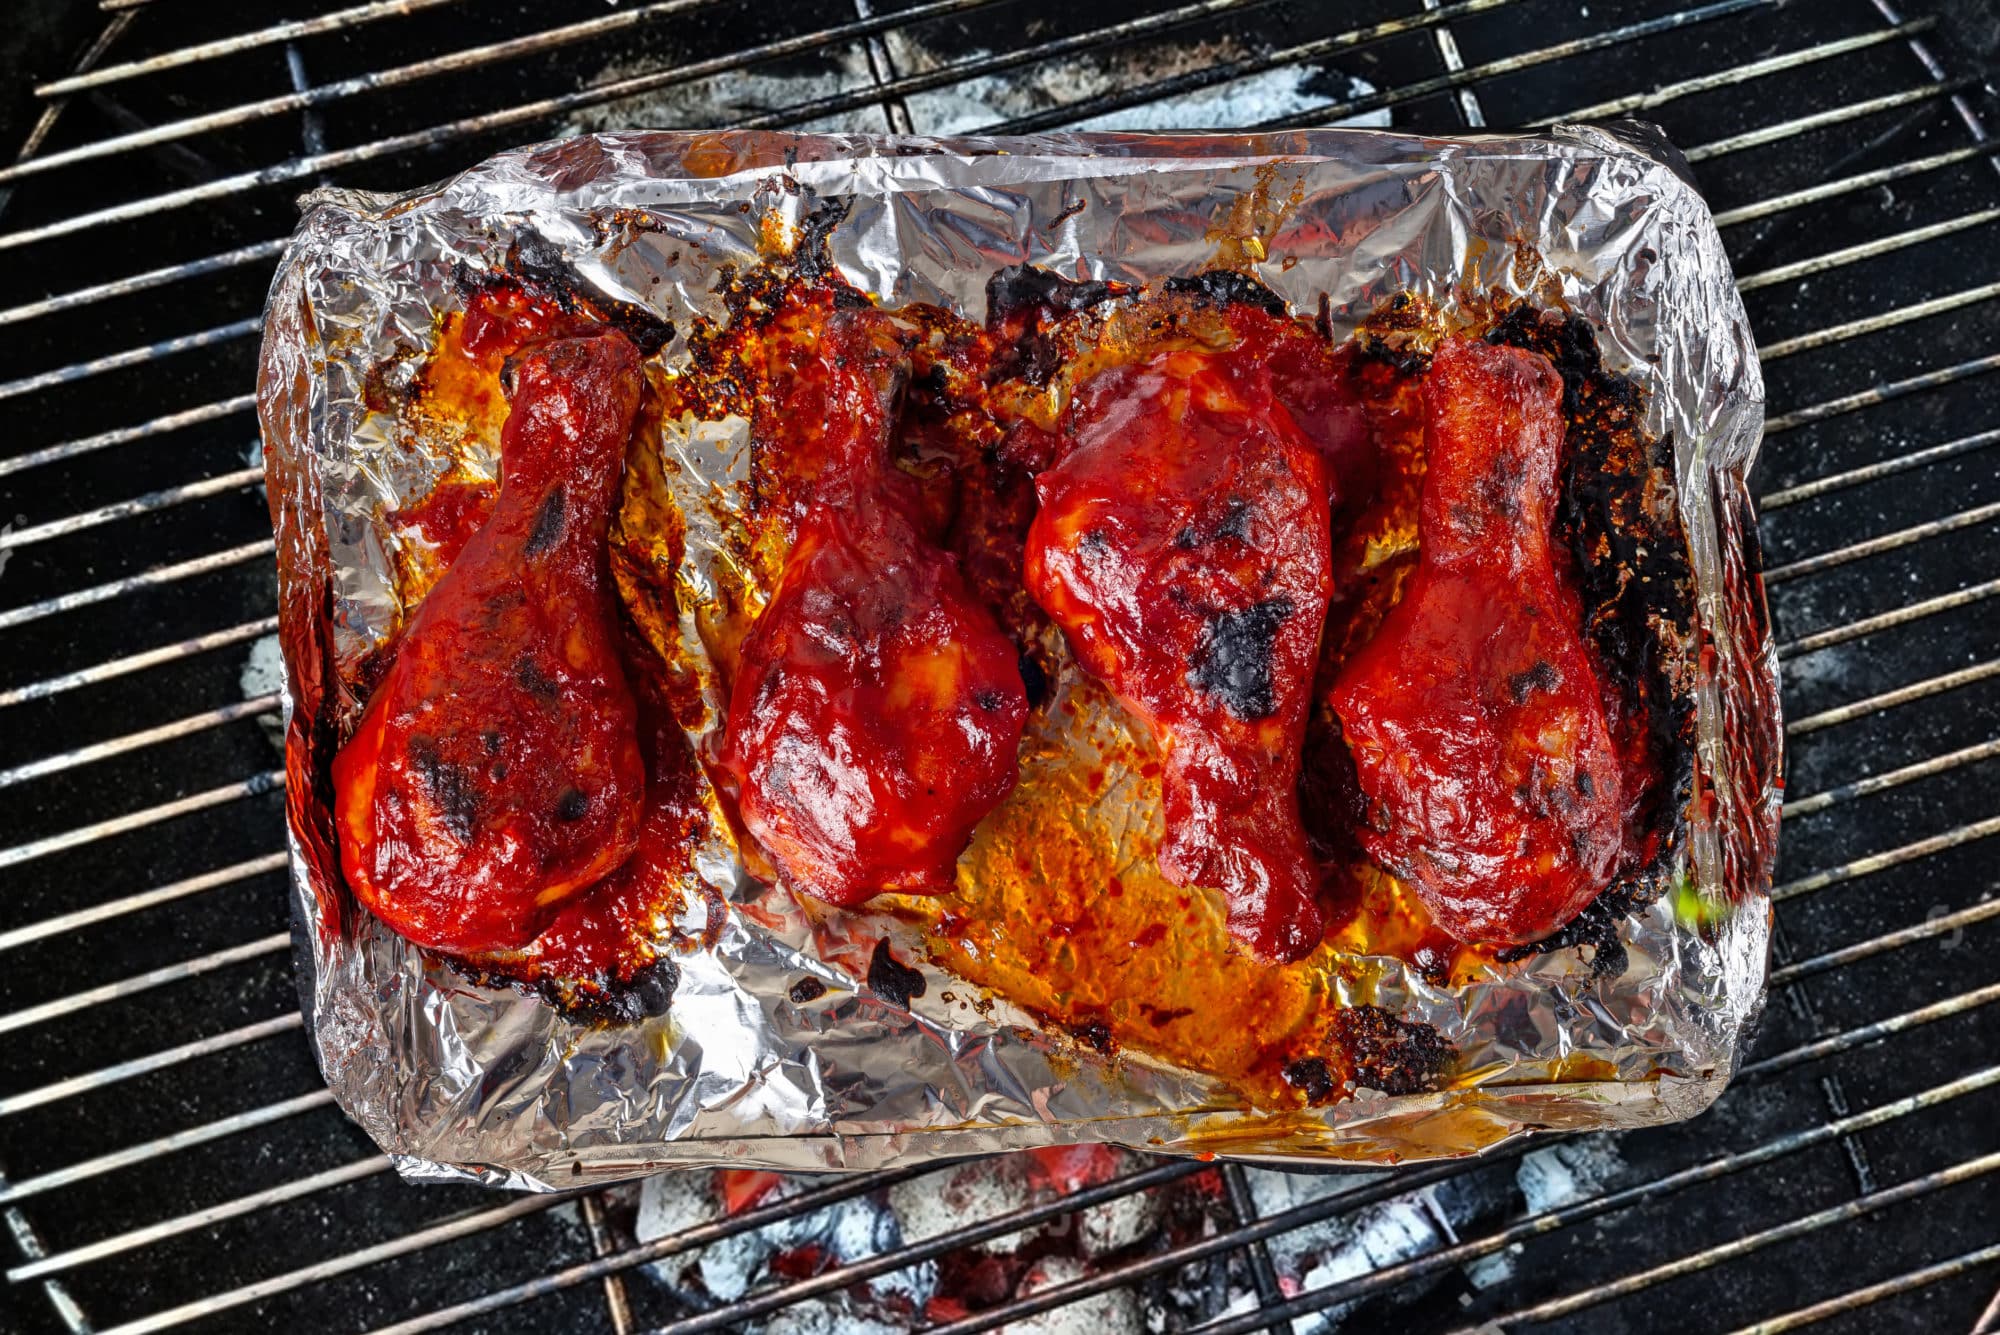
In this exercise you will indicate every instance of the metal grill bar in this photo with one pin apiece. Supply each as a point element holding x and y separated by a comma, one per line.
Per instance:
<point>276,34</point>
<point>139,662</point>
<point>1771,134</point>
<point>255,707</point>
<point>462,1227</point>
<point>116,361</point>
<point>1390,1277</point>
<point>1299,1216</point>
<point>902,86</point>
<point>1658,97</point>
<point>164,1145</point>
<point>1603,41</point>
<point>522,114</point>
<point>900,1258</point>
<point>1867,250</point>
<point>197,1219</point>
<point>1901,463</point>
<point>1902,695</point>
<point>704,1234</point>
<point>262,252</point>
<point>1120,1276</point>
<point>1894,778</point>
<point>458,62</point>
<point>1826,190</point>
<point>137,902</point>
<point>1786,347</point>
<point>1848,1040</point>
<point>1116,1278</point>
<point>1874,862</point>
<point>1855,1299</point>
<point>1887,542</point>
<point>1029,1217</point>
<point>164,499</point>
<point>1222,72</point>
<point>257,785</point>
<point>125,987</point>
<point>1901,616</point>
<point>1942,925</point>
<point>71,449</point>
<point>1847,1212</point>
<point>1790,975</point>
<point>157,577</point>
<point>146,1065</point>
<point>1880,394</point>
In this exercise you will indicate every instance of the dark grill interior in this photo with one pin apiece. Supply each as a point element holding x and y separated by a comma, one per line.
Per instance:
<point>168,1156</point>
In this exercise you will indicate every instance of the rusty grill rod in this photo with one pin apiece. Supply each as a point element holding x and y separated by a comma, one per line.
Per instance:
<point>277,34</point>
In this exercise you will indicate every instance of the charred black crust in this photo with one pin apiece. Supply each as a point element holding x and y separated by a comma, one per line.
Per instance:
<point>605,1001</point>
<point>1311,1078</point>
<point>1394,1055</point>
<point>812,257</point>
<point>1637,590</point>
<point>1232,659</point>
<point>1020,289</point>
<point>892,980</point>
<point>539,265</point>
<point>1094,1034</point>
<point>807,990</point>
<point>548,526</point>
<point>1227,287</point>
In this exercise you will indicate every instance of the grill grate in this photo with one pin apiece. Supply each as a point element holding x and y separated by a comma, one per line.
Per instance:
<point>170,1158</point>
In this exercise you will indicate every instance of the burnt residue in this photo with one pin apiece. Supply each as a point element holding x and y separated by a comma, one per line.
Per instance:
<point>1311,1077</point>
<point>1401,333</point>
<point>812,256</point>
<point>1228,287</point>
<point>539,264</point>
<point>1020,289</point>
<point>1232,659</point>
<point>1615,518</point>
<point>548,526</point>
<point>1094,1034</point>
<point>1388,1053</point>
<point>1022,302</point>
<point>807,990</point>
<point>450,787</point>
<point>606,1000</point>
<point>648,993</point>
<point>892,980</point>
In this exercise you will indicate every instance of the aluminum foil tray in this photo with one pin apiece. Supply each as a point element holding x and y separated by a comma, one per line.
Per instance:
<point>457,1080</point>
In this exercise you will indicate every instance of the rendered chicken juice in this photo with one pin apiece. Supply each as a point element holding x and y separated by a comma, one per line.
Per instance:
<point>900,399</point>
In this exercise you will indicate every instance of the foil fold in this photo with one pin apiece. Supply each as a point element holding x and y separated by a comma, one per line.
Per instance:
<point>458,1081</point>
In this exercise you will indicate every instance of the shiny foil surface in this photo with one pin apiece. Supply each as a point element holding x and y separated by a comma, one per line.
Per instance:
<point>461,1081</point>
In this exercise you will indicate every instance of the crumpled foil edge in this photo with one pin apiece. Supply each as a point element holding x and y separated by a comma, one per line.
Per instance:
<point>459,1082</point>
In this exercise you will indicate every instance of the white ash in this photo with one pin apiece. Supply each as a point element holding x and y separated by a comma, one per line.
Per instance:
<point>958,1198</point>
<point>1380,1236</point>
<point>1114,1312</point>
<point>845,1232</point>
<point>1114,1225</point>
<point>670,1205</point>
<point>731,98</point>
<point>979,103</point>
<point>818,1316</point>
<point>264,674</point>
<point>1563,1174</point>
<point>1493,1269</point>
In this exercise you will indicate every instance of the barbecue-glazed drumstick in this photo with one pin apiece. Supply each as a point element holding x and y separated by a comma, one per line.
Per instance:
<point>1183,547</point>
<point>1474,714</point>
<point>496,770</point>
<point>877,709</point>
